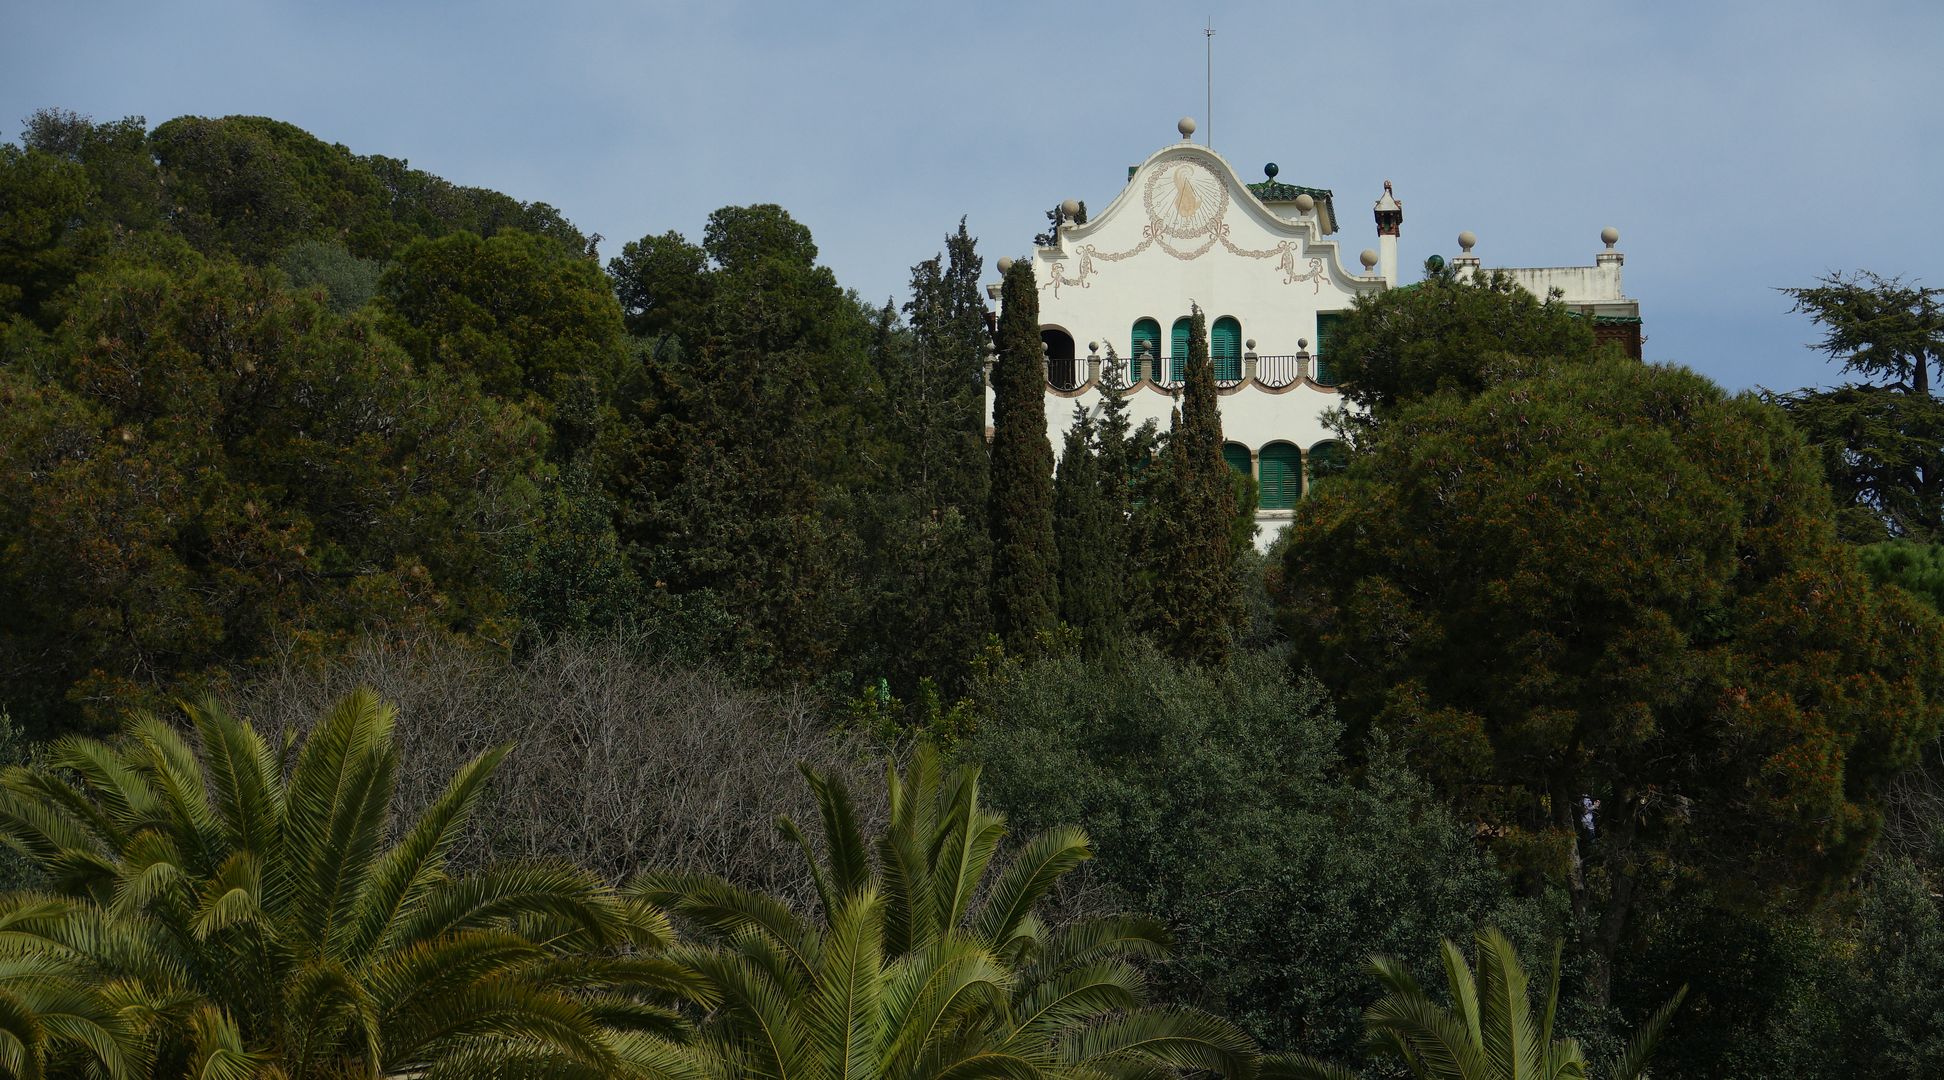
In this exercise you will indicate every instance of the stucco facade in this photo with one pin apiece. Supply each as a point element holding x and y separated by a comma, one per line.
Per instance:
<point>1267,271</point>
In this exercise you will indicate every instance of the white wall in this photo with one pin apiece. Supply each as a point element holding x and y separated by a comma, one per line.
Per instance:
<point>1141,258</point>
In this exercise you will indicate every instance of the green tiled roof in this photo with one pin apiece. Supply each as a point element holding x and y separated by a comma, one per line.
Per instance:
<point>1276,191</point>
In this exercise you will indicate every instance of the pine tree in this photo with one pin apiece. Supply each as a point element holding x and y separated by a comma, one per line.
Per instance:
<point>1196,603</point>
<point>1025,593</point>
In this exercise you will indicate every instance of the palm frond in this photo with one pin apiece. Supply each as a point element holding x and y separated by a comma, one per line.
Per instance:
<point>725,911</point>
<point>1076,997</point>
<point>217,1048</point>
<point>1430,1039</point>
<point>113,783</point>
<point>231,896</point>
<point>499,1010</point>
<point>22,1041</point>
<point>243,774</point>
<point>1027,879</point>
<point>847,1027</point>
<point>936,993</point>
<point>333,801</point>
<point>769,1037</point>
<point>845,852</point>
<point>1462,985</point>
<point>1505,1027</point>
<point>1632,1062</point>
<point>988,1066</point>
<point>408,869</point>
<point>559,894</point>
<point>1302,1067</point>
<point>1174,1038</point>
<point>1107,936</point>
<point>164,757</point>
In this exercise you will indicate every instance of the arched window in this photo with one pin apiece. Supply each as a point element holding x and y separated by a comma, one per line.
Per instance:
<point>1178,349</point>
<point>1327,458</point>
<point>1327,323</point>
<point>1237,457</point>
<point>1062,370</point>
<point>1225,349</point>
<point>1145,357</point>
<point>1280,476</point>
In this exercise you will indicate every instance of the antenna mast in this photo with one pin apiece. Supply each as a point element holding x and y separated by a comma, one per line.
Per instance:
<point>1208,90</point>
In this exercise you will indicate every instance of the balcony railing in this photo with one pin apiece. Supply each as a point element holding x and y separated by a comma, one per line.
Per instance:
<point>1277,372</point>
<point>1168,373</point>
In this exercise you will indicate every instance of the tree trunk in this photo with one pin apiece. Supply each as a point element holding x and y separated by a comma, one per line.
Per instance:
<point>1605,941</point>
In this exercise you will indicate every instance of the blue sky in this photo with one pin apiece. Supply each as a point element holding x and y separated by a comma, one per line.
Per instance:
<point>1737,146</point>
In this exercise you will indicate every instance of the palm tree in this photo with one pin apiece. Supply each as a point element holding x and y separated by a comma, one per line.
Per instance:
<point>920,966</point>
<point>249,912</point>
<point>1489,1031</point>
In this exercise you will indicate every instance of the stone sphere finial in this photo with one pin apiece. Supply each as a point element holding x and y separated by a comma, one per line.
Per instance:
<point>1466,240</point>
<point>1302,344</point>
<point>1093,346</point>
<point>1270,170</point>
<point>1005,264</point>
<point>1305,202</point>
<point>1610,236</point>
<point>1071,208</point>
<point>1249,344</point>
<point>1368,258</point>
<point>1186,125</point>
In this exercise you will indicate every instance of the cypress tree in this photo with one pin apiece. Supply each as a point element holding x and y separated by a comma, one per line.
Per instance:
<point>1090,529</point>
<point>930,573</point>
<point>1196,599</point>
<point>1025,593</point>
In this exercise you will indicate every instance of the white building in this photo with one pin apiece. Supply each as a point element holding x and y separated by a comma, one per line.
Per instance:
<point>1263,262</point>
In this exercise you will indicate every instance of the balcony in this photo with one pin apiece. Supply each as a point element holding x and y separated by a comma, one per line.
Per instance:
<point>1068,375</point>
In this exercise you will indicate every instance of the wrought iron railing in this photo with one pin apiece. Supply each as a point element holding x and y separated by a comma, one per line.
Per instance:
<point>1169,372</point>
<point>1277,372</point>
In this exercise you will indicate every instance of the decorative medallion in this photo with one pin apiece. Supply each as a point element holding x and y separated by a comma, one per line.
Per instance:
<point>1185,200</point>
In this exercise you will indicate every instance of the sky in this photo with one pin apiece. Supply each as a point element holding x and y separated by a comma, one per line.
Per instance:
<point>1739,146</point>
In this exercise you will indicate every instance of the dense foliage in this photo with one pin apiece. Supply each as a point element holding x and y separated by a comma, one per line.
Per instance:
<point>1581,648</point>
<point>212,914</point>
<point>1882,438</point>
<point>1220,802</point>
<point>1189,523</point>
<point>1618,584</point>
<point>1449,333</point>
<point>926,955</point>
<point>199,464</point>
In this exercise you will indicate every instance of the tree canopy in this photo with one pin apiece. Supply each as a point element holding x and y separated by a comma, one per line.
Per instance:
<point>1882,438</point>
<point>1448,332</point>
<point>1620,584</point>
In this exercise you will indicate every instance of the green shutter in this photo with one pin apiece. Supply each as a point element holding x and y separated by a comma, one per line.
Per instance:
<point>1237,457</point>
<point>1225,348</point>
<point>1178,349</point>
<point>1327,323</point>
<point>1280,476</point>
<point>1147,335</point>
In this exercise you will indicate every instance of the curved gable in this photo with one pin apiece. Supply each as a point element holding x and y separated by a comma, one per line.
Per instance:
<point>1187,203</point>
